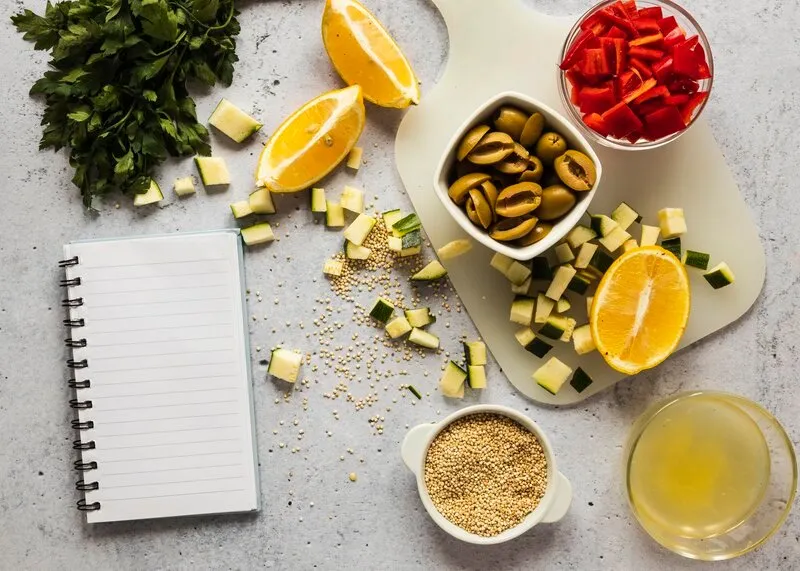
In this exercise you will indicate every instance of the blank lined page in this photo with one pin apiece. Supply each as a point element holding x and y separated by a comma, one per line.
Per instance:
<point>168,363</point>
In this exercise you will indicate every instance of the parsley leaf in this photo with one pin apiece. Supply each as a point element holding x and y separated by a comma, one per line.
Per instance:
<point>116,94</point>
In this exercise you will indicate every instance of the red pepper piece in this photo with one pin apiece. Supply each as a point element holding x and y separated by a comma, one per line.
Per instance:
<point>647,54</point>
<point>620,55</point>
<point>646,25</point>
<point>628,8</point>
<point>574,76</point>
<point>683,85</point>
<point>645,40</point>
<point>664,122</point>
<point>607,45</point>
<point>656,92</point>
<point>646,86</point>
<point>574,95</point>
<point>616,32</point>
<point>662,70</point>
<point>689,108</point>
<point>691,42</point>
<point>612,18</point>
<point>590,21</point>
<point>595,65</point>
<point>647,107</point>
<point>577,48</point>
<point>689,63</point>
<point>596,123</point>
<point>677,100</point>
<point>634,137</point>
<point>629,82</point>
<point>668,24</point>
<point>642,68</point>
<point>621,120</point>
<point>674,37</point>
<point>653,12</point>
<point>596,99</point>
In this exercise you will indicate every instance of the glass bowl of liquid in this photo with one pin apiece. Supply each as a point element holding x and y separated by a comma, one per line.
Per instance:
<point>710,475</point>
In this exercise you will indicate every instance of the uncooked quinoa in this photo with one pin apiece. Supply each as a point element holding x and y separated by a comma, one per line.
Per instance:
<point>485,473</point>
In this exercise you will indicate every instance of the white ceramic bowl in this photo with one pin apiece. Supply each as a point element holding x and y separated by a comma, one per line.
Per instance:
<point>555,122</point>
<point>554,505</point>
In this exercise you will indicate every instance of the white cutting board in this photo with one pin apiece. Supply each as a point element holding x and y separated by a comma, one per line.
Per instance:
<point>503,45</point>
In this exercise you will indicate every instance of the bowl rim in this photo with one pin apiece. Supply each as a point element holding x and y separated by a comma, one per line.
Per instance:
<point>530,520</point>
<point>643,421</point>
<point>556,120</point>
<point>614,143</point>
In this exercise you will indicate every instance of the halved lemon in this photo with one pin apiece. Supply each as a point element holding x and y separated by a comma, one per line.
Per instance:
<point>312,141</point>
<point>640,309</point>
<point>364,53</point>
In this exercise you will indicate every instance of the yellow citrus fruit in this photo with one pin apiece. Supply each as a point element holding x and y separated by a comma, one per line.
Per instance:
<point>640,309</point>
<point>312,141</point>
<point>364,53</point>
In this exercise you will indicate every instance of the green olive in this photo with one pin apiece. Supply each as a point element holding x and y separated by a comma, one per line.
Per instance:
<point>576,170</point>
<point>510,120</point>
<point>492,148</point>
<point>516,163</point>
<point>549,146</point>
<point>490,192</point>
<point>534,172</point>
<point>541,230</point>
<point>459,190</point>
<point>532,130</point>
<point>519,199</point>
<point>470,140</point>
<point>557,200</point>
<point>510,229</point>
<point>482,208</point>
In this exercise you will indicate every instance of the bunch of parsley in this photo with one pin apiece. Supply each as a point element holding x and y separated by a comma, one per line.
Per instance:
<point>116,94</point>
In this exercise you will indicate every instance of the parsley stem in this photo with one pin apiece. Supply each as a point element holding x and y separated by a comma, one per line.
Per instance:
<point>173,46</point>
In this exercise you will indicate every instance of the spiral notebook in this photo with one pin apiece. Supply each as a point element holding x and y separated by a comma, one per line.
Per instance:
<point>161,370</point>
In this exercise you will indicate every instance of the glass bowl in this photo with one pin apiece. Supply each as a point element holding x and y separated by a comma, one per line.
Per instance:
<point>695,512</point>
<point>689,26</point>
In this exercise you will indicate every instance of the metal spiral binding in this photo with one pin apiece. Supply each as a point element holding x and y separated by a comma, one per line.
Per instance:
<point>79,404</point>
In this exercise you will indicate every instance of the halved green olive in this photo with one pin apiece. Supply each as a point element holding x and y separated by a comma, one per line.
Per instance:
<point>510,120</point>
<point>516,162</point>
<point>576,170</point>
<point>491,149</point>
<point>470,140</point>
<point>472,214</point>
<point>549,146</point>
<point>541,230</point>
<point>459,190</point>
<point>510,229</point>
<point>532,130</point>
<point>557,200</point>
<point>490,192</point>
<point>482,209</point>
<point>534,171</point>
<point>519,199</point>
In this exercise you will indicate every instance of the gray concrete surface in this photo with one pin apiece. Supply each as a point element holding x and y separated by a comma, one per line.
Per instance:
<point>377,522</point>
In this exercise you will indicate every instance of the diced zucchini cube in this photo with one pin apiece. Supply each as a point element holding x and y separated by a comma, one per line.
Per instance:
<point>319,204</point>
<point>580,380</point>
<point>720,276</point>
<point>564,254</point>
<point>358,231</point>
<point>213,171</point>
<point>541,269</point>
<point>419,317</point>
<point>501,263</point>
<point>544,307</point>
<point>522,289</point>
<point>454,249</point>
<point>624,215</point>
<point>261,202</point>
<point>650,235</point>
<point>354,252</point>
<point>333,268</point>
<point>673,246</point>
<point>579,235</point>
<point>423,338</point>
<point>234,122</point>
<point>603,225</point>
<point>241,209</point>
<point>582,340</point>
<point>354,158</point>
<point>152,195</point>
<point>560,282</point>
<point>522,310</point>
<point>433,271</point>
<point>694,259</point>
<point>452,382</point>
<point>334,215</point>
<point>382,310</point>
<point>475,352</point>
<point>476,376</point>
<point>563,305</point>
<point>585,255</point>
<point>184,186</point>
<point>552,375</point>
<point>353,199</point>
<point>258,234</point>
<point>615,239</point>
<point>517,273</point>
<point>285,365</point>
<point>672,222</point>
<point>398,327</point>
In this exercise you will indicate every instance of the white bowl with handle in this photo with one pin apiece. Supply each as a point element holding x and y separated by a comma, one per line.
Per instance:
<point>553,506</point>
<point>554,121</point>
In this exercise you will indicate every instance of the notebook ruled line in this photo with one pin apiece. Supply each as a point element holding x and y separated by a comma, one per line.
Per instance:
<point>87,283</point>
<point>207,312</point>
<point>181,275</point>
<point>149,406</point>
<point>225,388</point>
<point>104,448</point>
<point>204,454</point>
<point>169,430</point>
<point>104,473</point>
<point>170,418</point>
<point>168,262</point>
<point>101,499</point>
<point>162,328</point>
<point>173,379</point>
<point>228,363</point>
<point>90,306</point>
<point>165,354</point>
<point>160,341</point>
<point>137,485</point>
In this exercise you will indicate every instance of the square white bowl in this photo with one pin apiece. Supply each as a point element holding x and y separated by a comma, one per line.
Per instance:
<point>554,121</point>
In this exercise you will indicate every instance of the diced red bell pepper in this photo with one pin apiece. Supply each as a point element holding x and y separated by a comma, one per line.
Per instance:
<point>628,8</point>
<point>691,42</point>
<point>651,12</point>
<point>646,25</point>
<point>689,63</point>
<point>674,37</point>
<point>656,92</point>
<point>642,68</point>
<point>607,45</point>
<point>677,100</point>
<point>616,32</point>
<point>596,123</point>
<point>577,48</point>
<point>683,85</point>
<point>647,54</point>
<point>689,108</point>
<point>668,24</point>
<point>662,70</point>
<point>596,99</point>
<point>634,137</point>
<point>574,95</point>
<point>629,82</point>
<point>617,52</point>
<point>647,107</point>
<point>645,40</point>
<point>590,21</point>
<point>574,76</point>
<point>663,123</point>
<point>621,120</point>
<point>645,87</point>
<point>595,65</point>
<point>612,18</point>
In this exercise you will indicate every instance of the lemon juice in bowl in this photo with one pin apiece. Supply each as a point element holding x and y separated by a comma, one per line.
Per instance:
<point>710,475</point>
